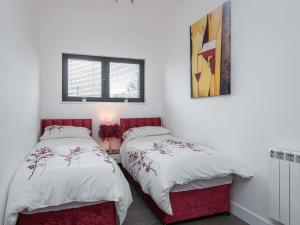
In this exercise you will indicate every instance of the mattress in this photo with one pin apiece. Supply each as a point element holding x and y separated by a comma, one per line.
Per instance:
<point>203,183</point>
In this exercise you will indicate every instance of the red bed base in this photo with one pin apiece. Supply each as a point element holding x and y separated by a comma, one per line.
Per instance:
<point>100,214</point>
<point>186,205</point>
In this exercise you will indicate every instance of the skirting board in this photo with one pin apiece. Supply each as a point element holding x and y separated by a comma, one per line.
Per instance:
<point>247,215</point>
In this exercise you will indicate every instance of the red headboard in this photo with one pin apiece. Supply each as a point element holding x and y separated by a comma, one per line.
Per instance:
<point>87,123</point>
<point>125,124</point>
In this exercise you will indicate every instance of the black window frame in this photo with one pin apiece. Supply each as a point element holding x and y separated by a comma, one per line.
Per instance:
<point>105,78</point>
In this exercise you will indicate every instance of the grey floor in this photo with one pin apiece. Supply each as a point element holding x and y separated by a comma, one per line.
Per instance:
<point>140,214</point>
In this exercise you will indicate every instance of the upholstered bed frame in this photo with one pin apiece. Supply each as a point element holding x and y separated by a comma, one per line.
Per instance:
<point>186,205</point>
<point>99,214</point>
<point>128,123</point>
<point>87,123</point>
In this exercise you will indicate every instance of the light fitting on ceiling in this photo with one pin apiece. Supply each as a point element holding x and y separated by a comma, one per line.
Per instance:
<point>132,1</point>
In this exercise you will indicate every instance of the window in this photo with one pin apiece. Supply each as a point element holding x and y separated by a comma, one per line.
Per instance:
<point>102,79</point>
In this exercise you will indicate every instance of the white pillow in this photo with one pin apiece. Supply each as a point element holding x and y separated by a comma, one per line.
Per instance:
<point>56,131</point>
<point>137,132</point>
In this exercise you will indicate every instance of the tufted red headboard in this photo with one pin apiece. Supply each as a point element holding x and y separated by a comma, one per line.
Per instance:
<point>125,124</point>
<point>87,123</point>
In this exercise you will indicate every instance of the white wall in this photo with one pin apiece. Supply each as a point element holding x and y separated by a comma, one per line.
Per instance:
<point>102,28</point>
<point>19,79</point>
<point>261,112</point>
<point>264,107</point>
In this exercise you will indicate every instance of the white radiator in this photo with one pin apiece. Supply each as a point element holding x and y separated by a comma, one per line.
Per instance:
<point>284,186</point>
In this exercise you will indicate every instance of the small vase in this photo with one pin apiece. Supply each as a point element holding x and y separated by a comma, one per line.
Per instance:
<point>109,146</point>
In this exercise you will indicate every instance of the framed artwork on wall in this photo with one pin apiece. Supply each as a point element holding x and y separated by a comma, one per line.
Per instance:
<point>210,41</point>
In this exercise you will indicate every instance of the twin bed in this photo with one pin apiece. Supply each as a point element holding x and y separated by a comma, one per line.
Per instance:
<point>178,180</point>
<point>71,180</point>
<point>67,180</point>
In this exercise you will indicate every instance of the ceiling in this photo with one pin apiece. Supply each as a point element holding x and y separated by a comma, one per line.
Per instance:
<point>142,11</point>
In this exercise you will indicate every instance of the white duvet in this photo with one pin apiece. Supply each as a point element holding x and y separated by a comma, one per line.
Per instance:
<point>66,170</point>
<point>160,162</point>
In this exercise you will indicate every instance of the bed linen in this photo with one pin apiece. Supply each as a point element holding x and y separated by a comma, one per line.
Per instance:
<point>158,163</point>
<point>57,131</point>
<point>202,184</point>
<point>66,170</point>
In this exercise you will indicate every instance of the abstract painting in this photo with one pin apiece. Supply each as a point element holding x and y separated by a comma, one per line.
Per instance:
<point>210,40</point>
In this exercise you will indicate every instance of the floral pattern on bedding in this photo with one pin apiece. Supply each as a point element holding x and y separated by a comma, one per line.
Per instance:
<point>160,162</point>
<point>73,154</point>
<point>160,147</point>
<point>186,145</point>
<point>183,144</point>
<point>138,160</point>
<point>41,156</point>
<point>54,129</point>
<point>38,159</point>
<point>103,154</point>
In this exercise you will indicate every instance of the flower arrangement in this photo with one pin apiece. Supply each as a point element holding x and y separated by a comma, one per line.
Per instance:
<point>107,132</point>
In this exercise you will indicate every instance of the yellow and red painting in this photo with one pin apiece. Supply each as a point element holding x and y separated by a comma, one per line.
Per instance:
<point>211,53</point>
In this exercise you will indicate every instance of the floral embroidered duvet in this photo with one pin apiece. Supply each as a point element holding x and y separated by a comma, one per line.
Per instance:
<point>66,170</point>
<point>158,163</point>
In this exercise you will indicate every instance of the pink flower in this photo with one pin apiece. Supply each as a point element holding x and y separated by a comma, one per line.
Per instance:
<point>101,153</point>
<point>40,154</point>
<point>72,154</point>
<point>109,131</point>
<point>31,167</point>
<point>136,160</point>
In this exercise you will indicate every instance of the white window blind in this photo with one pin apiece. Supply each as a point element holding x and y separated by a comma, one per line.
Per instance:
<point>84,78</point>
<point>124,80</point>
